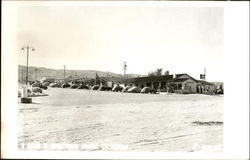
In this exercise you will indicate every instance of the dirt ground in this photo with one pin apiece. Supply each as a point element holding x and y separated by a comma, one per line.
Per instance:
<point>122,121</point>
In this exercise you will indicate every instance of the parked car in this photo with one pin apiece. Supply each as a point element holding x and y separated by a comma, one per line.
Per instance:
<point>46,84</point>
<point>53,84</point>
<point>83,87</point>
<point>43,86</point>
<point>39,84</point>
<point>95,87</point>
<point>148,90</point>
<point>219,90</point>
<point>65,85</point>
<point>73,86</point>
<point>125,89</point>
<point>117,88</point>
<point>105,88</point>
<point>35,90</point>
<point>36,84</point>
<point>134,90</point>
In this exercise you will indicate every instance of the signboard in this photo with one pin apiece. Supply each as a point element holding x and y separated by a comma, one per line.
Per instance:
<point>202,76</point>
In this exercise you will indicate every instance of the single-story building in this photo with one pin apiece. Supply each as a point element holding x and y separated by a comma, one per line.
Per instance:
<point>179,83</point>
<point>156,82</point>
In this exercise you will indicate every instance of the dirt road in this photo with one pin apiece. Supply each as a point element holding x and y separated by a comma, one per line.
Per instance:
<point>134,122</point>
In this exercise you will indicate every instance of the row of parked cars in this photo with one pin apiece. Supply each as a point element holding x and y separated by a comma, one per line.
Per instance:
<point>116,88</point>
<point>38,84</point>
<point>129,89</point>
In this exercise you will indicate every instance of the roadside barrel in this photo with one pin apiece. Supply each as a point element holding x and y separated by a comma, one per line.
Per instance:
<point>24,95</point>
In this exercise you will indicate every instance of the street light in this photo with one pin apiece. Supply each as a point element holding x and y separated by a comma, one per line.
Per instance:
<point>27,48</point>
<point>25,98</point>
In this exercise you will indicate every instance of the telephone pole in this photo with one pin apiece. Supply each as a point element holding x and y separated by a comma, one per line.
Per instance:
<point>22,75</point>
<point>64,67</point>
<point>205,73</point>
<point>27,48</point>
<point>35,73</point>
<point>125,68</point>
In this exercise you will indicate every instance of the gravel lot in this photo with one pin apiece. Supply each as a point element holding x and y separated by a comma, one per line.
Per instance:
<point>122,121</point>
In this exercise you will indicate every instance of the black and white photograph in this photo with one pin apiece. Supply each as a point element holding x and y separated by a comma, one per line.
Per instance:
<point>111,77</point>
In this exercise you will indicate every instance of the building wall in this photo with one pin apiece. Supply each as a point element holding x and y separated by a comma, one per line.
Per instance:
<point>182,84</point>
<point>188,86</point>
<point>202,88</point>
<point>153,84</point>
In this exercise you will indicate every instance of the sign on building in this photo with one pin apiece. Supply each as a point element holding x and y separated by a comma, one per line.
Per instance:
<point>202,76</point>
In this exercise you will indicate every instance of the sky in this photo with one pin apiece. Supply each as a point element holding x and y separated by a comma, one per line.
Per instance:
<point>177,39</point>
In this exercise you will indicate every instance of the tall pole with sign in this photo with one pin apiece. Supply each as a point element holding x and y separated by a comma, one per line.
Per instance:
<point>27,48</point>
<point>25,98</point>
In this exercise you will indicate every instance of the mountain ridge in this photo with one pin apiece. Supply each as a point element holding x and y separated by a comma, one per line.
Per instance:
<point>36,73</point>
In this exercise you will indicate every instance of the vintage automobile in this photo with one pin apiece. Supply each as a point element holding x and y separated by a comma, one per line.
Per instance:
<point>39,84</point>
<point>148,90</point>
<point>134,90</point>
<point>65,85</point>
<point>95,87</point>
<point>73,86</point>
<point>219,90</point>
<point>46,84</point>
<point>125,89</point>
<point>105,88</point>
<point>83,87</point>
<point>117,88</point>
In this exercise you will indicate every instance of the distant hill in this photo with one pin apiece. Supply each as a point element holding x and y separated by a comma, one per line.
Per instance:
<point>40,72</point>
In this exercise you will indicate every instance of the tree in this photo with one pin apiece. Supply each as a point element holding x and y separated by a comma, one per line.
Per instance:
<point>158,72</point>
<point>91,81</point>
<point>103,81</point>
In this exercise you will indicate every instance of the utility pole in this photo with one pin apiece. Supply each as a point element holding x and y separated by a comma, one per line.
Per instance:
<point>35,73</point>
<point>64,66</point>
<point>27,64</point>
<point>22,75</point>
<point>205,73</point>
<point>125,68</point>
<point>24,95</point>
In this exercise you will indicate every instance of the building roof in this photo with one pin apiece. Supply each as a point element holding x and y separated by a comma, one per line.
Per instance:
<point>205,82</point>
<point>180,79</point>
<point>152,78</point>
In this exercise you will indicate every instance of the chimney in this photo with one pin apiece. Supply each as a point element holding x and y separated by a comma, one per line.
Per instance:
<point>167,73</point>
